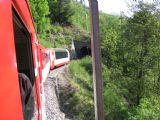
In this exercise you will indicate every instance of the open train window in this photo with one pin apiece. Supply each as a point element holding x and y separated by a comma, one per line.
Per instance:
<point>25,66</point>
<point>23,48</point>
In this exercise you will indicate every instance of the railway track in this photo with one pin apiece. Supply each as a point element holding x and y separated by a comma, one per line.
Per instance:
<point>56,77</point>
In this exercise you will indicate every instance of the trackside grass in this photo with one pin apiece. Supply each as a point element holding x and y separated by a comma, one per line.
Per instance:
<point>78,96</point>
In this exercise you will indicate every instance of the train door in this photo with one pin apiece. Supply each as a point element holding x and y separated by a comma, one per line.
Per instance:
<point>25,67</point>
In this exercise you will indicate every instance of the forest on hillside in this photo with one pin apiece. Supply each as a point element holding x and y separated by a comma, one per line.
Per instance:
<point>130,56</point>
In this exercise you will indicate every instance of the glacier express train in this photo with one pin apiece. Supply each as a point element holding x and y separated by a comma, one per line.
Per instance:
<point>59,57</point>
<point>24,63</point>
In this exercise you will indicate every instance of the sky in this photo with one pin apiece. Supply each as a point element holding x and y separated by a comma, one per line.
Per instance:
<point>111,6</point>
<point>114,6</point>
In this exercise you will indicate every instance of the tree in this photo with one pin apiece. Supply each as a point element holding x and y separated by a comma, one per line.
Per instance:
<point>40,11</point>
<point>60,11</point>
<point>109,35</point>
<point>141,51</point>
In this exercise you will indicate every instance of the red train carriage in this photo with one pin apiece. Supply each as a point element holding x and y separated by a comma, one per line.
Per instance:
<point>22,65</point>
<point>59,57</point>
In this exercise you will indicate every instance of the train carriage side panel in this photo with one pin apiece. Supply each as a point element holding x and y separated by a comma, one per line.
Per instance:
<point>10,100</point>
<point>24,11</point>
<point>22,8</point>
<point>11,104</point>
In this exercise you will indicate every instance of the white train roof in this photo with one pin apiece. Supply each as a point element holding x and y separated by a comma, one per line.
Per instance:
<point>59,49</point>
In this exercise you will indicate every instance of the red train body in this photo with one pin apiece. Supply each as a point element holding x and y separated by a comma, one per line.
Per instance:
<point>59,57</point>
<point>22,57</point>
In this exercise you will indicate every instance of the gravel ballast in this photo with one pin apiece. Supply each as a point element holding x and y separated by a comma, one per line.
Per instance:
<point>53,111</point>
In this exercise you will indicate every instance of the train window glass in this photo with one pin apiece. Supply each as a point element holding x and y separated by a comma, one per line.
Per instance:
<point>25,67</point>
<point>61,54</point>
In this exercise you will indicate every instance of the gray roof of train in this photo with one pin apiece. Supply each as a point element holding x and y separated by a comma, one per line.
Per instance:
<point>59,49</point>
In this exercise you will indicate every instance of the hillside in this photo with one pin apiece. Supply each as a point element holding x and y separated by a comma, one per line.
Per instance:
<point>62,36</point>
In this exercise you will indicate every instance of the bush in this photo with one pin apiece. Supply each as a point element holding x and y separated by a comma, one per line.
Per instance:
<point>149,109</point>
<point>82,100</point>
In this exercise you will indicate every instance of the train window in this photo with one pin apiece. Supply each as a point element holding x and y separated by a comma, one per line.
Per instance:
<point>61,54</point>
<point>25,67</point>
<point>23,48</point>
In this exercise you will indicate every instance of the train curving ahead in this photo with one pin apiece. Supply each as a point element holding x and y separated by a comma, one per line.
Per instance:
<point>59,57</point>
<point>24,63</point>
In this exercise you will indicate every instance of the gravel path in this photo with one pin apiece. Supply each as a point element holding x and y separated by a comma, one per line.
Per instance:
<point>53,111</point>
